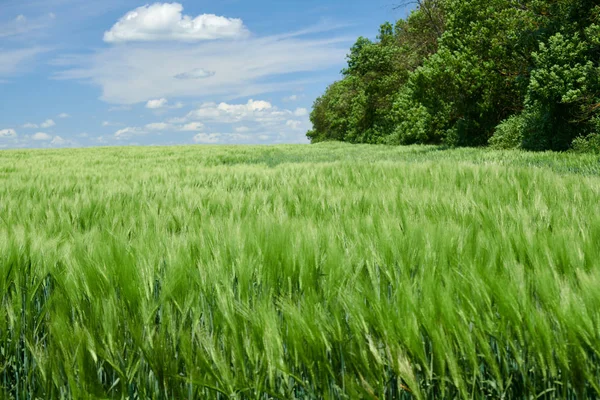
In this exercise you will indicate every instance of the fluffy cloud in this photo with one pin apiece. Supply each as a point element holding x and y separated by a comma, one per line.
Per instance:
<point>253,121</point>
<point>229,113</point>
<point>242,68</point>
<point>58,141</point>
<point>196,73</point>
<point>161,103</point>
<point>158,103</point>
<point>158,126</point>
<point>258,111</point>
<point>41,136</point>
<point>294,125</point>
<point>63,115</point>
<point>300,112</point>
<point>128,132</point>
<point>47,123</point>
<point>8,134</point>
<point>192,126</point>
<point>207,138</point>
<point>164,21</point>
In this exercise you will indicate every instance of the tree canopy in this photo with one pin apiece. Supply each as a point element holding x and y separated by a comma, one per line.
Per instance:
<point>505,73</point>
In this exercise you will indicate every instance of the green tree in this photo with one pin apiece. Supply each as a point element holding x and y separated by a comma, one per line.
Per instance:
<point>358,108</point>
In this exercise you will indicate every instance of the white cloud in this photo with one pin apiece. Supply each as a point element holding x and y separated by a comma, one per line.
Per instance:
<point>58,141</point>
<point>155,104</point>
<point>207,138</point>
<point>128,132</point>
<point>243,68</point>
<point>258,111</point>
<point>259,117</point>
<point>63,115</point>
<point>41,136</point>
<point>300,112</point>
<point>230,138</point>
<point>158,126</point>
<point>253,121</point>
<point>290,98</point>
<point>229,113</point>
<point>196,73</point>
<point>164,21</point>
<point>29,125</point>
<point>294,125</point>
<point>192,126</point>
<point>162,103</point>
<point>47,123</point>
<point>8,134</point>
<point>21,25</point>
<point>13,62</point>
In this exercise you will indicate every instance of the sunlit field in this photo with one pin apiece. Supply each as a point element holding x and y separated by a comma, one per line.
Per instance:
<point>299,272</point>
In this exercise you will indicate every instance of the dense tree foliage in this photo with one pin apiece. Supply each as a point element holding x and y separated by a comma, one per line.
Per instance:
<point>357,108</point>
<point>509,73</point>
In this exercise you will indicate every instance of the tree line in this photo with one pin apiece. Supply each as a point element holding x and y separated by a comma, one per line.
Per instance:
<point>504,73</point>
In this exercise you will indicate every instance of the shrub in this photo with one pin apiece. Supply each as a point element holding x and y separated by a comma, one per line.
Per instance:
<point>509,133</point>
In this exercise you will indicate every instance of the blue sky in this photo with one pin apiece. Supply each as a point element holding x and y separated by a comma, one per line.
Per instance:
<point>122,72</point>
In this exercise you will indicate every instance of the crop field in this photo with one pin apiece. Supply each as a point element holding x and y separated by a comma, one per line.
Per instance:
<point>327,271</point>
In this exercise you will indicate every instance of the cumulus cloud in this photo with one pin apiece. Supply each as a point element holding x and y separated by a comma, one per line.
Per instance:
<point>292,124</point>
<point>258,111</point>
<point>196,73</point>
<point>30,125</point>
<point>8,134</point>
<point>165,22</point>
<point>291,98</point>
<point>158,126</point>
<point>300,112</point>
<point>128,132</point>
<point>206,138</point>
<point>58,141</point>
<point>161,103</point>
<point>41,136</point>
<point>192,126</point>
<point>63,115</point>
<point>254,121</point>
<point>228,113</point>
<point>47,123</point>
<point>242,68</point>
<point>158,103</point>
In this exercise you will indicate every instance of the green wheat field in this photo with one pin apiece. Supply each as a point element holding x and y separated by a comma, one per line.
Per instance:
<point>327,271</point>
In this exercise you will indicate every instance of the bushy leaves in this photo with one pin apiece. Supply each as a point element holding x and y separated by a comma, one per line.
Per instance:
<point>358,108</point>
<point>497,62</point>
